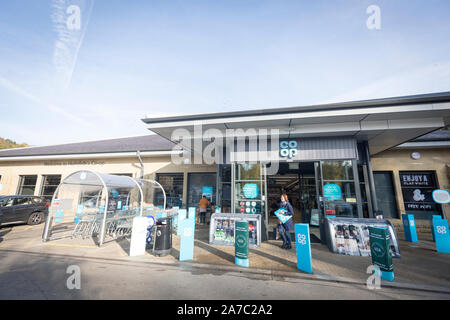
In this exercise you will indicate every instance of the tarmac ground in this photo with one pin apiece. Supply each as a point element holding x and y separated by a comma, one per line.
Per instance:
<point>420,268</point>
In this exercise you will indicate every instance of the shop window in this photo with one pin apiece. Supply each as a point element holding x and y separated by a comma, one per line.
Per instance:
<point>249,188</point>
<point>337,170</point>
<point>173,186</point>
<point>49,185</point>
<point>417,188</point>
<point>123,174</point>
<point>198,184</point>
<point>224,188</point>
<point>27,185</point>
<point>339,191</point>
<point>365,191</point>
<point>384,188</point>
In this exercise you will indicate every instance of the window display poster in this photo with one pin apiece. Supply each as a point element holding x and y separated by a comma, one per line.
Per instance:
<point>241,244</point>
<point>250,190</point>
<point>252,227</point>
<point>332,192</point>
<point>207,191</point>
<point>112,203</point>
<point>314,217</point>
<point>224,230</point>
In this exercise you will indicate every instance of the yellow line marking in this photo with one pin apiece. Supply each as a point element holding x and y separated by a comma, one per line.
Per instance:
<point>7,245</point>
<point>70,245</point>
<point>29,244</point>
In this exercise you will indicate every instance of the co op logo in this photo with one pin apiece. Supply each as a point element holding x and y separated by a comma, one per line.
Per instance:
<point>288,148</point>
<point>441,229</point>
<point>301,239</point>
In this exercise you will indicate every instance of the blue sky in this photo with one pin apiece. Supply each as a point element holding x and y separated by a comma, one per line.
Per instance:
<point>135,58</point>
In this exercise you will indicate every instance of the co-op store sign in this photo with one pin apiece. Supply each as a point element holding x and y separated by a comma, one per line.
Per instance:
<point>288,149</point>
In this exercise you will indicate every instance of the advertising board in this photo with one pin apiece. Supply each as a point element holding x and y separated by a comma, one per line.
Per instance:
<point>350,236</point>
<point>222,228</point>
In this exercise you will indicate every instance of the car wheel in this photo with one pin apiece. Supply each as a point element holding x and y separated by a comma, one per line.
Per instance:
<point>36,218</point>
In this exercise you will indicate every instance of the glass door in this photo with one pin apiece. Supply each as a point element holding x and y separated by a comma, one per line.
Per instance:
<point>249,191</point>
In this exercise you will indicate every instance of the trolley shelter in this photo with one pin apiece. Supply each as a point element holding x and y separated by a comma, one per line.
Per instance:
<point>92,204</point>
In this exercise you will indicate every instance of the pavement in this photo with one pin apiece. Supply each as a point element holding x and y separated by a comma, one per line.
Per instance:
<point>26,275</point>
<point>420,268</point>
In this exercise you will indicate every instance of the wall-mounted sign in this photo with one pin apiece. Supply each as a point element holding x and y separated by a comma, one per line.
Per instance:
<point>416,179</point>
<point>415,155</point>
<point>288,149</point>
<point>74,163</point>
<point>441,196</point>
<point>250,190</point>
<point>417,189</point>
<point>332,191</point>
<point>207,190</point>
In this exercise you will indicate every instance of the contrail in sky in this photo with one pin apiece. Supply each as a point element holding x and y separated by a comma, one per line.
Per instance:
<point>70,19</point>
<point>11,87</point>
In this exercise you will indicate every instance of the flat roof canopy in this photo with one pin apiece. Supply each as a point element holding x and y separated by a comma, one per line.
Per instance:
<point>384,123</point>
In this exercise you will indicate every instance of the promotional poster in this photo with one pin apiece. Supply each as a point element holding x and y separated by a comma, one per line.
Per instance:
<point>352,237</point>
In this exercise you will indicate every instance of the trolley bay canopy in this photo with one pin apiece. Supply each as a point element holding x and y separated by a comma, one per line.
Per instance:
<point>89,203</point>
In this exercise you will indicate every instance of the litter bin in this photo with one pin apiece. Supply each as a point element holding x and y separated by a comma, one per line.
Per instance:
<point>163,237</point>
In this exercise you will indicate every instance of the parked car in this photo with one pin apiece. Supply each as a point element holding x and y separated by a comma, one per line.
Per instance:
<point>23,209</point>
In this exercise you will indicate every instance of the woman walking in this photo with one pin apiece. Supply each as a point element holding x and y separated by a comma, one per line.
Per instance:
<point>284,229</point>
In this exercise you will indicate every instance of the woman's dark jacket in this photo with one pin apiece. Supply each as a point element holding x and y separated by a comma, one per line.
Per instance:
<point>288,225</point>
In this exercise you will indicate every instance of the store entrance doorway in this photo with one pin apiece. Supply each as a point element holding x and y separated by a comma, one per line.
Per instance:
<point>299,181</point>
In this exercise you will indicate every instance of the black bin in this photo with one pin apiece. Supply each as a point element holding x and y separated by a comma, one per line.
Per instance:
<point>163,237</point>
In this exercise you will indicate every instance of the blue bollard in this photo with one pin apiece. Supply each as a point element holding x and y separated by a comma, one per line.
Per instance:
<point>441,235</point>
<point>409,226</point>
<point>303,247</point>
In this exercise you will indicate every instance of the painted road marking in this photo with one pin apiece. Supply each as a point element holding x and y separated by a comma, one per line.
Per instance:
<point>29,244</point>
<point>70,245</point>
